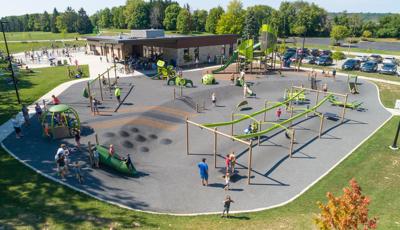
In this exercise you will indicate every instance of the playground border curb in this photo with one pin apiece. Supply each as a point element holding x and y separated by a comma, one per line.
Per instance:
<point>204,213</point>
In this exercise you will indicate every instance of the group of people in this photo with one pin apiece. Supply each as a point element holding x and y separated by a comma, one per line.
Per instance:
<point>62,161</point>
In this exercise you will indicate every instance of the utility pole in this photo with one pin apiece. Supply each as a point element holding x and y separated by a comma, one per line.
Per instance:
<point>10,63</point>
<point>394,145</point>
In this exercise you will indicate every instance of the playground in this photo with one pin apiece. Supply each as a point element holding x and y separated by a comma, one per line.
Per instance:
<point>168,128</point>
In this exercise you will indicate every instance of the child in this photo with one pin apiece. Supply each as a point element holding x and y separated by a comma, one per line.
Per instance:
<point>232,159</point>
<point>96,158</point>
<point>77,135</point>
<point>278,114</point>
<point>61,166</point>
<point>38,110</point>
<point>46,129</point>
<point>56,101</point>
<point>325,87</point>
<point>214,99</point>
<point>17,127</point>
<point>78,172</point>
<point>111,150</point>
<point>227,163</point>
<point>25,113</point>
<point>227,204</point>
<point>227,180</point>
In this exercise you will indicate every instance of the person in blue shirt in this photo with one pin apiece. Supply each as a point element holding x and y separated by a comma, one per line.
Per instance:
<point>203,172</point>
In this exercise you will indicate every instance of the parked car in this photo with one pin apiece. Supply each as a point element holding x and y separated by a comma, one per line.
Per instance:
<point>309,60</point>
<point>302,51</point>
<point>296,57</point>
<point>376,57</point>
<point>369,66</point>
<point>325,53</point>
<point>388,68</point>
<point>389,60</point>
<point>314,52</point>
<point>351,64</point>
<point>362,58</point>
<point>288,55</point>
<point>324,60</point>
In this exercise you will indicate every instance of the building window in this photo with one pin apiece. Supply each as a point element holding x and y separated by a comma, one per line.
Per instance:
<point>186,55</point>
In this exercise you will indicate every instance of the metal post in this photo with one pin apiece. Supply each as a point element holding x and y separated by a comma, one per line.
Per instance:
<point>109,81</point>
<point>215,147</point>
<point>250,161</point>
<point>10,63</point>
<point>291,143</point>
<point>90,154</point>
<point>90,97</point>
<point>394,145</point>
<point>265,112</point>
<point>187,136</point>
<point>97,139</point>
<point>259,128</point>
<point>181,91</point>
<point>321,124</point>
<point>291,115</point>
<point>232,117</point>
<point>101,89</point>
<point>344,107</point>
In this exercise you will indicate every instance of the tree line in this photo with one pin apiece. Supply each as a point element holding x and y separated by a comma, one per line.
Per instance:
<point>297,18</point>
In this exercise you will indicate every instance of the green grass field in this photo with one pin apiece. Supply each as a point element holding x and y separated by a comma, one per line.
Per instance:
<point>34,202</point>
<point>17,47</point>
<point>38,35</point>
<point>31,87</point>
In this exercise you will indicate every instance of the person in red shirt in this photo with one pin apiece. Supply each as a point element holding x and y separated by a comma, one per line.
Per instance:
<point>227,162</point>
<point>278,114</point>
<point>56,101</point>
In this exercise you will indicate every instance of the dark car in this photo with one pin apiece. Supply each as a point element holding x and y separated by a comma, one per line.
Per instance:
<point>314,52</point>
<point>351,64</point>
<point>288,55</point>
<point>369,66</point>
<point>303,51</point>
<point>388,68</point>
<point>309,59</point>
<point>376,57</point>
<point>325,53</point>
<point>324,60</point>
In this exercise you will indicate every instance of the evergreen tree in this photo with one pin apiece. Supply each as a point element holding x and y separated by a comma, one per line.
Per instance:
<point>83,23</point>
<point>53,26</point>
<point>250,30</point>
<point>45,22</point>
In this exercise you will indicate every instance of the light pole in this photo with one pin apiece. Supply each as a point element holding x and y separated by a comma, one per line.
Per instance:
<point>10,63</point>
<point>394,145</point>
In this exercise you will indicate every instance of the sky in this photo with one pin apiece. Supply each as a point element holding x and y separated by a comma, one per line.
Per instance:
<point>19,7</point>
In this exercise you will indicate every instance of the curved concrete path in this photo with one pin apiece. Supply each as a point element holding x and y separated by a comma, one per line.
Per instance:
<point>150,126</point>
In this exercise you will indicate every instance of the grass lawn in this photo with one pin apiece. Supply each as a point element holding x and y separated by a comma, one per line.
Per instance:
<point>389,94</point>
<point>31,87</point>
<point>32,201</point>
<point>39,35</point>
<point>345,49</point>
<point>17,47</point>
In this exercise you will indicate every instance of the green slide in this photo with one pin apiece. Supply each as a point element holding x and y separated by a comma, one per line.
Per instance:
<point>262,132</point>
<point>230,61</point>
<point>255,113</point>
<point>114,161</point>
<point>350,105</point>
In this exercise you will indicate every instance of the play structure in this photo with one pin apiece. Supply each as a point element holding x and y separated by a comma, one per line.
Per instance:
<point>116,162</point>
<point>350,105</point>
<point>208,79</point>
<point>247,52</point>
<point>300,96</point>
<point>59,121</point>
<point>352,82</point>
<point>168,73</point>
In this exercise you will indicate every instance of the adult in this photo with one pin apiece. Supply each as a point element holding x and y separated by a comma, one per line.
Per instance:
<point>203,167</point>
<point>55,100</point>
<point>25,114</point>
<point>61,166</point>
<point>334,73</point>
<point>17,127</point>
<point>38,111</point>
<point>117,94</point>
<point>227,204</point>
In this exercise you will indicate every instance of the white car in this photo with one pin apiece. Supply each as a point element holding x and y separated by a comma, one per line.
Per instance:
<point>362,58</point>
<point>389,60</point>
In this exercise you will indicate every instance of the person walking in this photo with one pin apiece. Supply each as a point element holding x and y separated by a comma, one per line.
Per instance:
<point>78,172</point>
<point>77,136</point>
<point>214,99</point>
<point>203,167</point>
<point>227,181</point>
<point>227,204</point>
<point>278,114</point>
<point>334,74</point>
<point>96,158</point>
<point>232,159</point>
<point>96,106</point>
<point>17,127</point>
<point>61,166</point>
<point>227,163</point>
<point>38,111</point>
<point>117,94</point>
<point>25,114</point>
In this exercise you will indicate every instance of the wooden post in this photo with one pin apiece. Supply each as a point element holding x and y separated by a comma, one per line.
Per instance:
<point>187,136</point>
<point>265,113</point>
<point>174,94</point>
<point>291,115</point>
<point>109,81</point>
<point>181,91</point>
<point>344,108</point>
<point>215,147</point>
<point>90,96</point>
<point>115,70</point>
<point>90,154</point>
<point>97,138</point>
<point>321,124</point>
<point>250,161</point>
<point>101,88</point>
<point>197,108</point>
<point>316,101</point>
<point>291,143</point>
<point>232,117</point>
<point>259,128</point>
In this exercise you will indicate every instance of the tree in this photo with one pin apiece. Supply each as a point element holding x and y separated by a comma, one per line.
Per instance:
<point>349,211</point>
<point>105,18</point>
<point>262,15</point>
<point>136,14</point>
<point>118,18</point>
<point>156,16</point>
<point>232,21</point>
<point>199,19</point>
<point>339,33</point>
<point>367,34</point>
<point>250,29</point>
<point>53,26</point>
<point>171,15</point>
<point>338,56</point>
<point>83,23</point>
<point>45,22</point>
<point>213,18</point>
<point>183,21</point>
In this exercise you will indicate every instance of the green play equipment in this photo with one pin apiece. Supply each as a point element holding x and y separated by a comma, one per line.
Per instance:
<point>168,73</point>
<point>281,124</point>
<point>279,104</point>
<point>114,161</point>
<point>249,91</point>
<point>350,105</point>
<point>60,120</point>
<point>208,79</point>
<point>301,97</point>
<point>352,81</point>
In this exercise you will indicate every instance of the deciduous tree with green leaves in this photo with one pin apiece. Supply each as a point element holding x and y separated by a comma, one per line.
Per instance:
<point>232,21</point>
<point>213,18</point>
<point>171,15</point>
<point>199,19</point>
<point>136,14</point>
<point>183,21</point>
<point>339,33</point>
<point>349,211</point>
